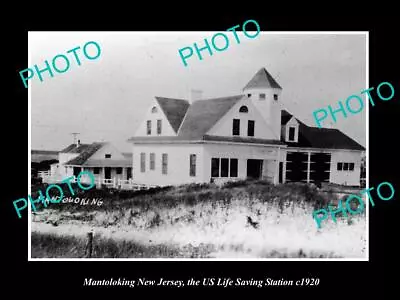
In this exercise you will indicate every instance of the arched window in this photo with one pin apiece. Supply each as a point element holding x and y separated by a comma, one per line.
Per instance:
<point>154,110</point>
<point>243,109</point>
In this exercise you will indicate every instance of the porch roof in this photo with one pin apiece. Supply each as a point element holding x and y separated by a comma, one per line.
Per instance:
<point>204,139</point>
<point>105,163</point>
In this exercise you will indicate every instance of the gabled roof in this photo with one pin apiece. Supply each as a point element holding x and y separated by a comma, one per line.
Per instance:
<point>204,114</point>
<point>74,149</point>
<point>200,117</point>
<point>174,110</point>
<point>327,138</point>
<point>262,79</point>
<point>85,154</point>
<point>285,117</point>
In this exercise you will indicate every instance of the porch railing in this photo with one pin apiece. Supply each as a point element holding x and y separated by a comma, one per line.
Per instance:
<point>110,183</point>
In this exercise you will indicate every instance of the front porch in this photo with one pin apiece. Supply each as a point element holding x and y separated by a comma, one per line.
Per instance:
<point>105,177</point>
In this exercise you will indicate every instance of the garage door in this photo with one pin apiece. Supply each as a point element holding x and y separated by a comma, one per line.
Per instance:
<point>320,167</point>
<point>296,166</point>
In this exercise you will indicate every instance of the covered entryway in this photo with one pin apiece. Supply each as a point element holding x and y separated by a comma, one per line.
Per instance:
<point>77,170</point>
<point>280,172</point>
<point>107,173</point>
<point>254,168</point>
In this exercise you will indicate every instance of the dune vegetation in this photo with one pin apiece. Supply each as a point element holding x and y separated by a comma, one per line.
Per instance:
<point>245,219</point>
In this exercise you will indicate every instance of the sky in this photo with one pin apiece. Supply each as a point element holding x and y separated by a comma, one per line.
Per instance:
<point>105,99</point>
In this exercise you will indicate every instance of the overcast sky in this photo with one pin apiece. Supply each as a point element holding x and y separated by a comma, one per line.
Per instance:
<point>105,99</point>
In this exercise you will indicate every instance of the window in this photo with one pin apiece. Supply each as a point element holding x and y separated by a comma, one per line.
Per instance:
<point>275,96</point>
<point>236,127</point>
<point>148,127</point>
<point>152,161</point>
<point>243,109</point>
<point>142,162</point>
<point>159,126</point>
<point>96,171</point>
<point>344,166</point>
<point>262,96</point>
<point>164,163</point>
<point>215,167</point>
<point>108,155</point>
<point>292,131</point>
<point>119,170</point>
<point>229,167</point>
<point>192,161</point>
<point>154,110</point>
<point>129,173</point>
<point>249,95</point>
<point>224,167</point>
<point>250,128</point>
<point>234,167</point>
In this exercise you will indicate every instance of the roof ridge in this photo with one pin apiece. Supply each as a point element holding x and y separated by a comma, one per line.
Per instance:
<point>157,97</point>
<point>219,98</point>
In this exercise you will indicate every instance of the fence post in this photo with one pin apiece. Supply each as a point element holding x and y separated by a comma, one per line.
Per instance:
<point>89,246</point>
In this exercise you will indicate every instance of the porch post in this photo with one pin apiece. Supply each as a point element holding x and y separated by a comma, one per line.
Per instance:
<point>308,166</point>
<point>284,167</point>
<point>276,175</point>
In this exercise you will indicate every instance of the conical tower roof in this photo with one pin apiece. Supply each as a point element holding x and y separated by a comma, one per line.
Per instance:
<point>262,79</point>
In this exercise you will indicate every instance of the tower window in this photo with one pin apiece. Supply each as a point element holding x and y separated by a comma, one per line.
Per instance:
<point>262,96</point>
<point>275,96</point>
<point>243,109</point>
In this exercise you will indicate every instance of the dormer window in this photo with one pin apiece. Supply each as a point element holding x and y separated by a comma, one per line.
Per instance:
<point>292,132</point>
<point>108,155</point>
<point>262,96</point>
<point>154,110</point>
<point>243,109</point>
<point>249,95</point>
<point>275,97</point>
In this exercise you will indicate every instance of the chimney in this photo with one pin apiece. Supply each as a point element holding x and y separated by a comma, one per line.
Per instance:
<point>195,95</point>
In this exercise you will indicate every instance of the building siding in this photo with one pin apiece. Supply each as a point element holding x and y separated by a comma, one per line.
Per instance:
<point>346,177</point>
<point>178,171</point>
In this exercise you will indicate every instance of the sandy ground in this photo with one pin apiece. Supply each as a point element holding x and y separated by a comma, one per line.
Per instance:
<point>230,238</point>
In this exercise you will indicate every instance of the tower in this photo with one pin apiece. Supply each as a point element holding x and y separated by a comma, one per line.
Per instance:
<point>265,93</point>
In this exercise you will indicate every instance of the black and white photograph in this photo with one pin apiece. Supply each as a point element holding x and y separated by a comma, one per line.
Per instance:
<point>159,153</point>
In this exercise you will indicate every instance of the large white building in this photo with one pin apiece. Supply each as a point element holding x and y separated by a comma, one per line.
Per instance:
<point>238,137</point>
